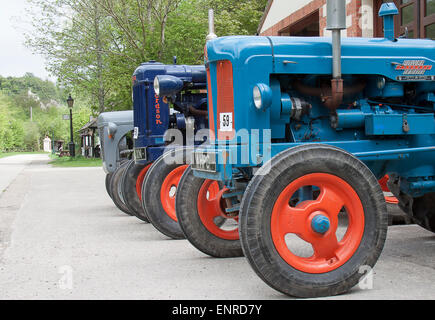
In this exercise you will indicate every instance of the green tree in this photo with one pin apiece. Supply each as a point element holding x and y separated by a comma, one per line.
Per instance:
<point>97,44</point>
<point>46,90</point>
<point>11,128</point>
<point>18,132</point>
<point>32,137</point>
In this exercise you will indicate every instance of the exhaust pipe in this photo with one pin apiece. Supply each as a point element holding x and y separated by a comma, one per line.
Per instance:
<point>211,35</point>
<point>336,21</point>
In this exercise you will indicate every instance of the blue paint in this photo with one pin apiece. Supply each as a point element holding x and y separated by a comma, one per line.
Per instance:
<point>386,117</point>
<point>152,116</point>
<point>388,11</point>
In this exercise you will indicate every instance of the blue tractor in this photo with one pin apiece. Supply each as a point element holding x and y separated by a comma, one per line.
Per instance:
<point>149,182</point>
<point>303,130</point>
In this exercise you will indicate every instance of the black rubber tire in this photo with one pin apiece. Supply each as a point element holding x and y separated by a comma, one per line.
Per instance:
<point>193,228</point>
<point>258,202</point>
<point>129,192</point>
<point>151,201</point>
<point>107,182</point>
<point>109,178</point>
<point>115,185</point>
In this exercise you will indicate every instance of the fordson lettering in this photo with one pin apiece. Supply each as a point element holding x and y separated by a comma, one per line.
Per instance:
<point>158,117</point>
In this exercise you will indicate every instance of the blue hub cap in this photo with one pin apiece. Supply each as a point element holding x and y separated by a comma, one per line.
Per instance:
<point>320,224</point>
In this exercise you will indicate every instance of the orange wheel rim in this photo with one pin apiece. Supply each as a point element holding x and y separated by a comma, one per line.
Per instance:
<point>329,253</point>
<point>140,179</point>
<point>168,191</point>
<point>210,207</point>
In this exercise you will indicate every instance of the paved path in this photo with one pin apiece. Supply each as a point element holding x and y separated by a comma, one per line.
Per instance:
<point>61,237</point>
<point>10,167</point>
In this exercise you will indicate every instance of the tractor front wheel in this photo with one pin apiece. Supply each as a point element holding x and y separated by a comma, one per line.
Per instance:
<point>200,208</point>
<point>116,189</point>
<point>158,197</point>
<point>319,244</point>
<point>133,176</point>
<point>107,182</point>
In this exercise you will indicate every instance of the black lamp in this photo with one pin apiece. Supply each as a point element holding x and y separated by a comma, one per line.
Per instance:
<point>71,145</point>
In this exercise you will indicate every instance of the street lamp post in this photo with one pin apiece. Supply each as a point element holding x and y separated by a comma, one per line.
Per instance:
<point>71,145</point>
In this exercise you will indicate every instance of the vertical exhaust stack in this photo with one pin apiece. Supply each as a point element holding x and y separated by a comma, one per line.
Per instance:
<point>336,21</point>
<point>211,35</point>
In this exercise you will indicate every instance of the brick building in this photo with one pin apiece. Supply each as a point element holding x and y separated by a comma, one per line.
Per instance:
<point>308,18</point>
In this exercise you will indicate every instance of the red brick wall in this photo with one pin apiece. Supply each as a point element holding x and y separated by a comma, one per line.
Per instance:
<point>294,17</point>
<point>353,9</point>
<point>322,20</point>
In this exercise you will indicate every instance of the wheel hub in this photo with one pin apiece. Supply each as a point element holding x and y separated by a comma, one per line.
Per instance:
<point>316,222</point>
<point>320,224</point>
<point>211,205</point>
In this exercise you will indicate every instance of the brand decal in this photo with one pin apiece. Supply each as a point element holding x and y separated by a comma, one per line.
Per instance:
<point>158,116</point>
<point>416,78</point>
<point>414,67</point>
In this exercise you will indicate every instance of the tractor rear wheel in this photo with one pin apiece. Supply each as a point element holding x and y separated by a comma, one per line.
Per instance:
<point>133,177</point>
<point>320,244</point>
<point>200,211</point>
<point>116,189</point>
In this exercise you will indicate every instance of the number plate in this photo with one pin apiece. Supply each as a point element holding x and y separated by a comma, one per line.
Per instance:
<point>226,122</point>
<point>140,154</point>
<point>204,161</point>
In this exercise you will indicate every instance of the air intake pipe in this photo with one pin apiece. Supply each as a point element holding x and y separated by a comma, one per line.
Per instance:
<point>387,12</point>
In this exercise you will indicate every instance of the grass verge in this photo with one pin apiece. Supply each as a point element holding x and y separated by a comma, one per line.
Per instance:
<point>76,162</point>
<point>10,154</point>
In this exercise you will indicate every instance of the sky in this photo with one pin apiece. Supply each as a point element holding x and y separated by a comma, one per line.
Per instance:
<point>15,58</point>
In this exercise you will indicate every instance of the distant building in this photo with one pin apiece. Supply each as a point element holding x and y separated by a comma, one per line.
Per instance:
<point>90,142</point>
<point>308,18</point>
<point>47,144</point>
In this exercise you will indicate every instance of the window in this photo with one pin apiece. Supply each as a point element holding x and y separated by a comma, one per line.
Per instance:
<point>416,18</point>
<point>430,31</point>
<point>308,26</point>
<point>407,14</point>
<point>430,8</point>
<point>428,19</point>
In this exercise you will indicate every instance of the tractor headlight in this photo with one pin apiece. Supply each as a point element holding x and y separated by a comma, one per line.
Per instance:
<point>157,86</point>
<point>262,95</point>
<point>380,83</point>
<point>257,97</point>
<point>167,86</point>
